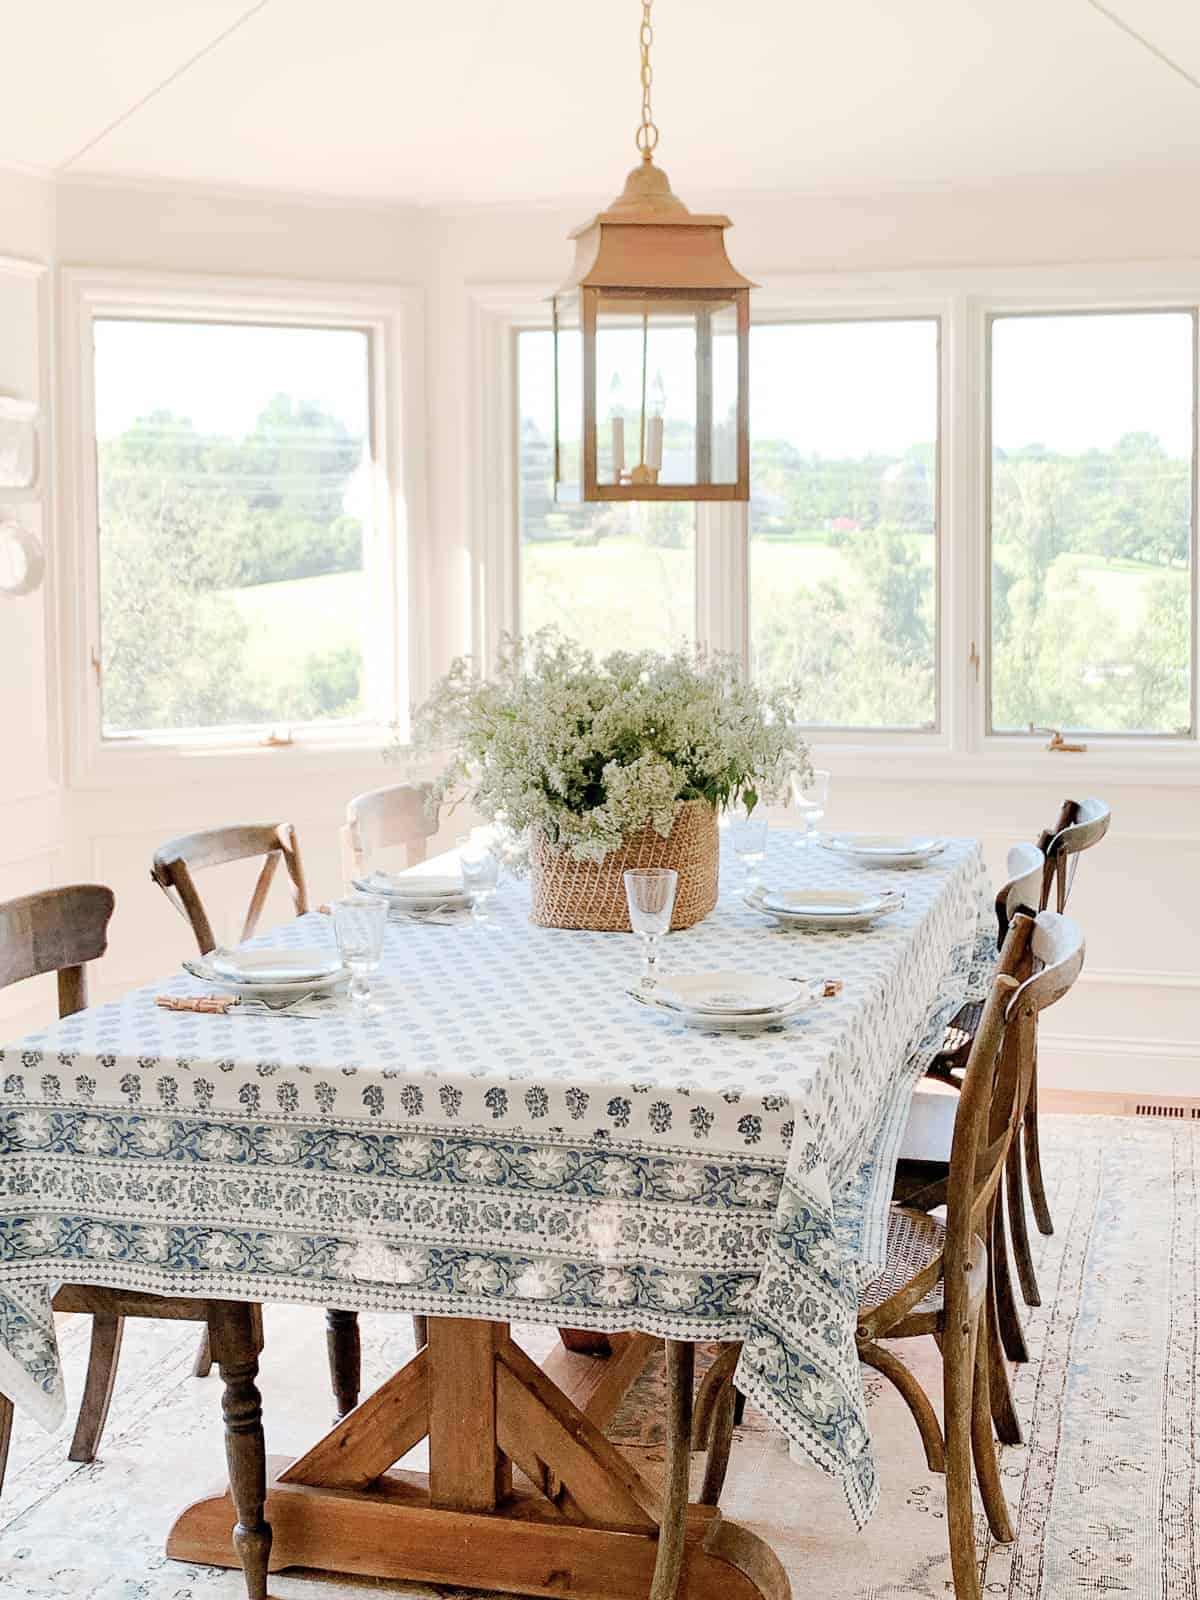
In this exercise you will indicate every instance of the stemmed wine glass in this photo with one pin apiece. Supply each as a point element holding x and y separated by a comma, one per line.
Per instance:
<point>810,797</point>
<point>650,892</point>
<point>748,835</point>
<point>358,924</point>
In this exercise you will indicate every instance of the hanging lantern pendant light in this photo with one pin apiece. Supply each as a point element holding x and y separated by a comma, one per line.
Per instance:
<point>652,309</point>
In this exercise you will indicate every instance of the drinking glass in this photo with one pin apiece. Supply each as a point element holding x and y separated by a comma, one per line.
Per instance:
<point>810,798</point>
<point>748,835</point>
<point>358,924</point>
<point>480,867</point>
<point>650,892</point>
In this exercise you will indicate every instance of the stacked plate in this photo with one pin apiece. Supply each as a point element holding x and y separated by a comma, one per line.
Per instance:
<point>824,910</point>
<point>730,1002</point>
<point>416,893</point>
<point>884,849</point>
<point>263,973</point>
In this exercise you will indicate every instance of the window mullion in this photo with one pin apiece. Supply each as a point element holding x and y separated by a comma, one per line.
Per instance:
<point>723,577</point>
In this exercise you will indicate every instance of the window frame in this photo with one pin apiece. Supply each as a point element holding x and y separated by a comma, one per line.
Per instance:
<point>962,748</point>
<point>397,650</point>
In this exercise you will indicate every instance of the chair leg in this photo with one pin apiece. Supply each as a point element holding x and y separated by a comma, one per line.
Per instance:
<point>958,1372</point>
<point>420,1327</point>
<point>1033,1160</point>
<point>103,1356</point>
<point>345,1359</point>
<point>719,1444</point>
<point>6,1421</point>
<point>672,1531</point>
<point>983,1448</point>
<point>1012,1334</point>
<point>1017,1227</point>
<point>915,1398</point>
<point>236,1340</point>
<point>203,1363</point>
<point>1004,1413</point>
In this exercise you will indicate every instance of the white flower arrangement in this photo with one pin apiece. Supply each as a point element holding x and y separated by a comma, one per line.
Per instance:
<point>589,752</point>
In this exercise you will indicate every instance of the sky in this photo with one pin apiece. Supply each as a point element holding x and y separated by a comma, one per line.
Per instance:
<point>857,388</point>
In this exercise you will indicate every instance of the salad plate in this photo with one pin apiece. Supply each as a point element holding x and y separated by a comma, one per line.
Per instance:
<point>306,966</point>
<point>415,893</point>
<point>790,995</point>
<point>202,968</point>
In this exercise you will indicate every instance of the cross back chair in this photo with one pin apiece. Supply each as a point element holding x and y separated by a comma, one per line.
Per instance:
<point>61,930</point>
<point>172,869</point>
<point>936,1280</point>
<point>176,861</point>
<point>401,814</point>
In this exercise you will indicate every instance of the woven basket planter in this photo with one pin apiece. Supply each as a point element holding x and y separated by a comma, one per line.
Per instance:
<point>591,894</point>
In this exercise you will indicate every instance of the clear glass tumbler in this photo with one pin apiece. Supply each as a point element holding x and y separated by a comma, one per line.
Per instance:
<point>480,868</point>
<point>650,892</point>
<point>748,836</point>
<point>810,799</point>
<point>358,924</point>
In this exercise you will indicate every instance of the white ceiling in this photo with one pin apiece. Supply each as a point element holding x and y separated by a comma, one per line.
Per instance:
<point>465,102</point>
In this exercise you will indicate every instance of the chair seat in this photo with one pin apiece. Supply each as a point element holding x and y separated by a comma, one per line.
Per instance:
<point>960,1034</point>
<point>914,1239</point>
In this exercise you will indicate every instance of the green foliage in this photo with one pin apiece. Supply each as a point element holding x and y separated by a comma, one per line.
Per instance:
<point>186,521</point>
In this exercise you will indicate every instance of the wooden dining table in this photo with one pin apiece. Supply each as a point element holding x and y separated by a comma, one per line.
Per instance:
<point>511,1139</point>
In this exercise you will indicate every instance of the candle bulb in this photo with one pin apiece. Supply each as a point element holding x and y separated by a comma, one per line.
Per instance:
<point>618,447</point>
<point>654,443</point>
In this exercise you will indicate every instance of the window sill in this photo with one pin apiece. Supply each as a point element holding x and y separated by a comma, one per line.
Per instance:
<point>116,762</point>
<point>1169,764</point>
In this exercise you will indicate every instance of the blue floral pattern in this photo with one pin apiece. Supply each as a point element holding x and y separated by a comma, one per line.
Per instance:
<point>511,1139</point>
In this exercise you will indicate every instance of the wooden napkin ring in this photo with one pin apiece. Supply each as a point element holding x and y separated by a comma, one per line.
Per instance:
<point>218,1003</point>
<point>830,987</point>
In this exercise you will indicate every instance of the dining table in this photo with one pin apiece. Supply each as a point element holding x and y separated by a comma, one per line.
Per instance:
<point>510,1139</point>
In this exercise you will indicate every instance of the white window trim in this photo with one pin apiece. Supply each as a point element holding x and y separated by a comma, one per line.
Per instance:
<point>964,299</point>
<point>393,316</point>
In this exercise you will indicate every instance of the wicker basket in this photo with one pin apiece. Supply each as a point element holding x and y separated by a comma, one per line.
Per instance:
<point>591,894</point>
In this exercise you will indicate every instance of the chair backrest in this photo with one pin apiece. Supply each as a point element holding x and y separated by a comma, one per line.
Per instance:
<point>175,862</point>
<point>1039,962</point>
<point>401,814</point>
<point>1023,891</point>
<point>55,930</point>
<point>1080,825</point>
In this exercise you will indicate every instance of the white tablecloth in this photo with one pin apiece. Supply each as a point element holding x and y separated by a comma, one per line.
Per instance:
<point>514,1138</point>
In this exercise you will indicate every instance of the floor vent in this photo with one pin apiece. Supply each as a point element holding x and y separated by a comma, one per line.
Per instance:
<point>1188,1109</point>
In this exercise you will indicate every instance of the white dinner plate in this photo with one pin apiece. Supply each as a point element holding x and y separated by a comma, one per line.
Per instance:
<point>805,992</point>
<point>722,993</point>
<point>415,894</point>
<point>884,849</point>
<point>275,966</point>
<point>201,968</point>
<point>823,910</point>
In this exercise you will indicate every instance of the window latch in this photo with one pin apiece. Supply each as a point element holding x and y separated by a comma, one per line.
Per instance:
<point>277,739</point>
<point>1057,742</point>
<point>973,659</point>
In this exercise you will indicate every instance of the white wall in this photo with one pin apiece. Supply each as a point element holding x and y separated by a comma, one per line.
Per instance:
<point>31,826</point>
<point>1135,1022</point>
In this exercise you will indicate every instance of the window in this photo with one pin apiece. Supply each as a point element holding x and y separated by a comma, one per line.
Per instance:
<point>1091,541</point>
<point>617,576</point>
<point>234,515</point>
<point>843,518</point>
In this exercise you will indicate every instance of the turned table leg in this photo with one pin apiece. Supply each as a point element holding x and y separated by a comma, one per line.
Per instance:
<point>236,1335</point>
<point>345,1359</point>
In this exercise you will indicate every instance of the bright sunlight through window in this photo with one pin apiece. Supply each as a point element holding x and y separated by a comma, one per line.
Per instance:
<point>614,576</point>
<point>843,518</point>
<point>1091,522</point>
<point>233,479</point>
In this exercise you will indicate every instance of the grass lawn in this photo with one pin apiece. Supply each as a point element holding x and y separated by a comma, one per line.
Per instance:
<point>302,617</point>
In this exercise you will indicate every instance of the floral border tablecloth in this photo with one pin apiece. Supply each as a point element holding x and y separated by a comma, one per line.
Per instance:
<point>512,1139</point>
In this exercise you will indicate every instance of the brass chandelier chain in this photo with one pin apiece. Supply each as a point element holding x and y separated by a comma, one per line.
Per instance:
<point>647,134</point>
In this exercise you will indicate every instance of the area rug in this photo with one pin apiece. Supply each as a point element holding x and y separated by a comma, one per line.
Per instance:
<point>1103,1491</point>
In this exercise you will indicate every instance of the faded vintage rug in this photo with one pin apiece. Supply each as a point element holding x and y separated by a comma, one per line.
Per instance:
<point>1103,1491</point>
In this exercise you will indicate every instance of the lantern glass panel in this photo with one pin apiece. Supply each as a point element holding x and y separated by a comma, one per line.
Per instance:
<point>568,398</point>
<point>666,376</point>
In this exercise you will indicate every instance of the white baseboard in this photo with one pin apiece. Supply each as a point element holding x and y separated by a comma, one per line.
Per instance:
<point>1114,1065</point>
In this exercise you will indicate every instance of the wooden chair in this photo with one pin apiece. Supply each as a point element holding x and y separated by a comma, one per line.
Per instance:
<point>399,815</point>
<point>936,1281</point>
<point>61,930</point>
<point>172,869</point>
<point>175,861</point>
